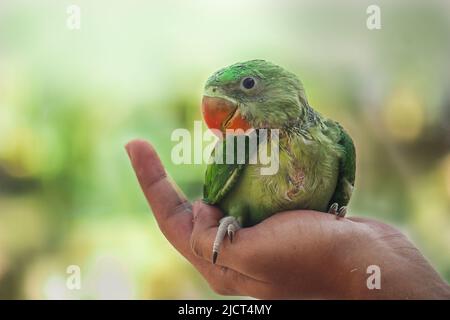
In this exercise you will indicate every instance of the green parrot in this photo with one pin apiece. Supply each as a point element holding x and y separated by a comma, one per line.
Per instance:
<point>316,157</point>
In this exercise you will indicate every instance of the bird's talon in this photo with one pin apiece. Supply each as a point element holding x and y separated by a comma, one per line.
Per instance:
<point>227,225</point>
<point>231,229</point>
<point>230,235</point>
<point>333,208</point>
<point>342,212</point>
<point>338,212</point>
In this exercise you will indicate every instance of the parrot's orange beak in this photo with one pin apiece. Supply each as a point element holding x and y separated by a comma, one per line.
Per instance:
<point>222,114</point>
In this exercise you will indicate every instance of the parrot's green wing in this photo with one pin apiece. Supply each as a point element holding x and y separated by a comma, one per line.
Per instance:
<point>347,167</point>
<point>221,176</point>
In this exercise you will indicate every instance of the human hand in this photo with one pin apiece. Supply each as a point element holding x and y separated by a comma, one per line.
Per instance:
<point>291,255</point>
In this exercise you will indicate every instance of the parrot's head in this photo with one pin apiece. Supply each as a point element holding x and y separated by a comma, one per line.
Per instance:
<point>253,94</point>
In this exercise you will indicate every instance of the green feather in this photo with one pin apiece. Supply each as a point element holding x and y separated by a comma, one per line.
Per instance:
<point>221,176</point>
<point>347,167</point>
<point>316,158</point>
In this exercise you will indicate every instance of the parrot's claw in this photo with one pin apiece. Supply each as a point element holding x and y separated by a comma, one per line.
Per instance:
<point>333,208</point>
<point>227,225</point>
<point>339,212</point>
<point>231,229</point>
<point>342,212</point>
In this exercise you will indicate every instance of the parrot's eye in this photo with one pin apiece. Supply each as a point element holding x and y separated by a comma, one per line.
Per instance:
<point>248,83</point>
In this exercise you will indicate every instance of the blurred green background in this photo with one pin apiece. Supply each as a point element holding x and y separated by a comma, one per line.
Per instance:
<point>71,99</point>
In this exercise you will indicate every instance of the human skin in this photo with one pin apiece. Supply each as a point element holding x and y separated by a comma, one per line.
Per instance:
<point>291,255</point>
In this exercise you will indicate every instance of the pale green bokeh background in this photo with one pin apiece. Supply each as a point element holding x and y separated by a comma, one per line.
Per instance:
<point>71,99</point>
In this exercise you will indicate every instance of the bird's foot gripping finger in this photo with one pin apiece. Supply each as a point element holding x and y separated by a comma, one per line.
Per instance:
<point>342,211</point>
<point>231,229</point>
<point>227,225</point>
<point>335,210</point>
